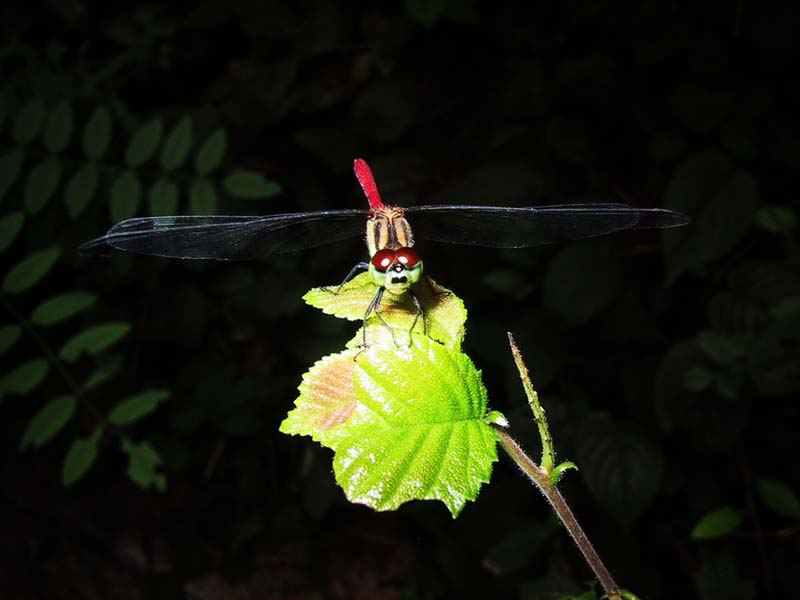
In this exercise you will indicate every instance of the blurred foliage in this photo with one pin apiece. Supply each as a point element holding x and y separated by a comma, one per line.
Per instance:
<point>668,364</point>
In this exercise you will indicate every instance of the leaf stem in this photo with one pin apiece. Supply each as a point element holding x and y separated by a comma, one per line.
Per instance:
<point>541,479</point>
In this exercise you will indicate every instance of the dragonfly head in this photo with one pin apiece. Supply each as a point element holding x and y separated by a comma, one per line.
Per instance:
<point>396,270</point>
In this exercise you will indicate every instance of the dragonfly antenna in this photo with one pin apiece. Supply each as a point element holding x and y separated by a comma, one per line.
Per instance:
<point>367,181</point>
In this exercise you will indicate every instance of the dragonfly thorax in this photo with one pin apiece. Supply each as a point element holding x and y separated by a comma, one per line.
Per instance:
<point>396,270</point>
<point>388,228</point>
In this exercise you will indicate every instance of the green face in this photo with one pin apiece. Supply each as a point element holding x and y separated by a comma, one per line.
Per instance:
<point>396,270</point>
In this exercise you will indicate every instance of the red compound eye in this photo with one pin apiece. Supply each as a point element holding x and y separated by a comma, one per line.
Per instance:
<point>408,257</point>
<point>383,259</point>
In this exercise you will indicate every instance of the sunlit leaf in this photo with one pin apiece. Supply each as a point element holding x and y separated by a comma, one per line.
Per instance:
<point>80,457</point>
<point>28,121</point>
<point>97,134</point>
<point>250,185</point>
<point>717,523</point>
<point>142,462</point>
<point>144,143</point>
<point>59,126</point>
<point>779,497</point>
<point>41,184</point>
<point>30,270</point>
<point>24,378</point>
<point>621,465</point>
<point>177,145</point>
<point>50,419</point>
<point>61,307</point>
<point>163,198</point>
<point>93,340</point>
<point>135,407</point>
<point>126,195</point>
<point>211,152</point>
<point>10,226</point>
<point>81,189</point>
<point>9,334</point>
<point>202,197</point>
<point>10,167</point>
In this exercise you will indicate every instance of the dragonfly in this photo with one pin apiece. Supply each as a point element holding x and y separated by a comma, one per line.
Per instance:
<point>394,266</point>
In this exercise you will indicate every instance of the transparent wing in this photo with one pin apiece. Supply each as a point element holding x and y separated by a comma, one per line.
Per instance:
<point>228,237</point>
<point>509,227</point>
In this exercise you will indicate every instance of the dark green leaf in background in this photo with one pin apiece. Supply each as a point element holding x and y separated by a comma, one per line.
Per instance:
<point>105,371</point>
<point>210,154</point>
<point>81,189</point>
<point>177,145</point>
<point>58,127</point>
<point>202,197</point>
<point>126,196</point>
<point>41,184</point>
<point>10,226</point>
<point>24,378</point>
<point>97,134</point>
<point>144,143</point>
<point>93,340</point>
<point>50,419</point>
<point>779,497</point>
<point>717,523</point>
<point>10,166</point>
<point>621,465</point>
<point>135,407</point>
<point>718,578</point>
<point>30,270</point>
<point>425,12</point>
<point>28,121</point>
<point>776,219</point>
<point>61,307</point>
<point>80,457</point>
<point>672,397</point>
<point>9,334</point>
<point>163,198</point>
<point>250,185</point>
<point>142,462</point>
<point>385,109</point>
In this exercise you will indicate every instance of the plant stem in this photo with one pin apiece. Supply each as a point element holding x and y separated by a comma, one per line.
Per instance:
<point>541,479</point>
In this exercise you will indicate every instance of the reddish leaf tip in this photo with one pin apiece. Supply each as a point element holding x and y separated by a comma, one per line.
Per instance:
<point>367,181</point>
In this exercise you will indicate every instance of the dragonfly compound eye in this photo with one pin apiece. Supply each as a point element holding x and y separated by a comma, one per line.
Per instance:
<point>408,257</point>
<point>383,259</point>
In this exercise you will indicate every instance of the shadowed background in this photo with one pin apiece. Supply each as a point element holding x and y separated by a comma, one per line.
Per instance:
<point>668,364</point>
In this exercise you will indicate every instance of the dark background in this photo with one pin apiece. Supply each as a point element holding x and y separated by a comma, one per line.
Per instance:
<point>668,365</point>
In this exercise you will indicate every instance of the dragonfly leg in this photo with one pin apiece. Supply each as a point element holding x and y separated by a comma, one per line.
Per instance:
<point>420,313</point>
<point>362,266</point>
<point>373,308</point>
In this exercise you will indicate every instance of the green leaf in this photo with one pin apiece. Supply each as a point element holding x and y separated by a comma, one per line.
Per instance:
<point>558,471</point>
<point>30,270</point>
<point>698,379</point>
<point>24,378</point>
<point>144,143</point>
<point>80,457</point>
<point>81,189</point>
<point>10,226</point>
<point>97,134</point>
<point>126,195</point>
<point>405,422</point>
<point>142,462</point>
<point>202,197</point>
<point>135,407</point>
<point>10,166</point>
<point>776,219</point>
<point>163,198</point>
<point>722,203</point>
<point>61,307</point>
<point>9,334</point>
<point>722,348</point>
<point>425,12</point>
<point>51,419</point>
<point>581,281</point>
<point>177,145</point>
<point>211,152</point>
<point>93,340</point>
<point>41,184</point>
<point>779,497</point>
<point>717,523</point>
<point>59,126</point>
<point>672,399</point>
<point>103,373</point>
<point>28,121</point>
<point>718,578</point>
<point>620,464</point>
<point>250,185</point>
